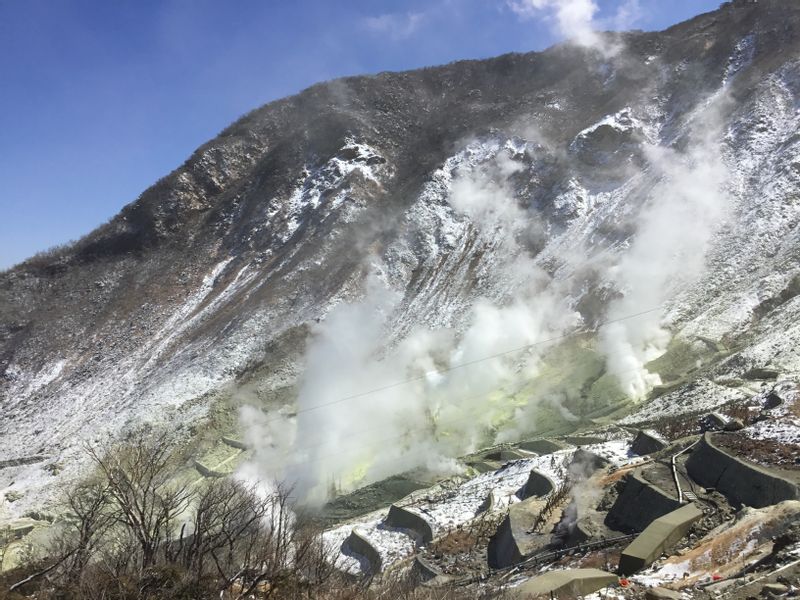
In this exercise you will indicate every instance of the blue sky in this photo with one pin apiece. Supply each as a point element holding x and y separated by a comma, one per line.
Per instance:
<point>98,98</point>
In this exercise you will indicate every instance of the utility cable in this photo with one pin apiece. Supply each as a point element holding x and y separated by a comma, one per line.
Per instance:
<point>464,364</point>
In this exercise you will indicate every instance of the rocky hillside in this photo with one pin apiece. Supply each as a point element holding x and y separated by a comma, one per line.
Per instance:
<point>476,208</point>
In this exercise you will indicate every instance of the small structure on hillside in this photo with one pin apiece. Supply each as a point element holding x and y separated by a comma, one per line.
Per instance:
<point>570,583</point>
<point>639,504</point>
<point>514,540</point>
<point>646,442</point>
<point>357,544</point>
<point>543,446</point>
<point>658,537</point>
<point>406,518</point>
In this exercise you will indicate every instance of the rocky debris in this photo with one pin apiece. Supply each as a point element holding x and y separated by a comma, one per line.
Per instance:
<point>740,548</point>
<point>14,496</point>
<point>775,589</point>
<point>660,593</point>
<point>765,451</point>
<point>250,243</point>
<point>773,400</point>
<point>734,425</point>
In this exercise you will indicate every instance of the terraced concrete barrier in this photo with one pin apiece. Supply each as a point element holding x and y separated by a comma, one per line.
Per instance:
<point>583,440</point>
<point>358,544</point>
<point>570,583</point>
<point>234,443</point>
<point>504,455</point>
<point>425,571</point>
<point>742,482</point>
<point>657,538</point>
<point>404,518</point>
<point>639,504</point>
<point>206,471</point>
<point>488,504</point>
<point>538,484</point>
<point>542,446</point>
<point>483,466</point>
<point>513,540</point>
<point>647,442</point>
<point>23,460</point>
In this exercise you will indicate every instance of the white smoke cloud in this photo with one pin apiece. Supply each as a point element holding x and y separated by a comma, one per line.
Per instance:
<point>370,406</point>
<point>673,234</point>
<point>576,20</point>
<point>451,398</point>
<point>398,26</point>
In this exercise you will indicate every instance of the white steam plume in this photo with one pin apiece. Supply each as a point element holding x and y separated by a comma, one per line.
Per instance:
<point>342,437</point>
<point>668,252</point>
<point>576,20</point>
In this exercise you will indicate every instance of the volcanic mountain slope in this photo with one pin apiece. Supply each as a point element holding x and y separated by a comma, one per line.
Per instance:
<point>206,289</point>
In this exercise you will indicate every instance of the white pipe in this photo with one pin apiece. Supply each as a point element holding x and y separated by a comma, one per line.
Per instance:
<point>675,471</point>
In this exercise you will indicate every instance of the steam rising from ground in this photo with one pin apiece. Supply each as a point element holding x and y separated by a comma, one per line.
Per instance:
<point>668,251</point>
<point>450,399</point>
<point>370,406</point>
<point>576,20</point>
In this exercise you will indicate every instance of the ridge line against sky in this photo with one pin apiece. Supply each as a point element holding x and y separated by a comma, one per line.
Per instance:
<point>99,100</point>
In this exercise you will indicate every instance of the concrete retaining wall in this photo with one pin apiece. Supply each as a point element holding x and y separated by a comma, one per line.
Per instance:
<point>488,504</point>
<point>404,518</point>
<point>512,542</point>
<point>425,571</point>
<point>234,443</point>
<point>538,484</point>
<point>542,446</point>
<point>647,442</point>
<point>638,505</point>
<point>23,460</point>
<point>569,583</point>
<point>742,482</point>
<point>505,455</point>
<point>483,466</point>
<point>205,471</point>
<point>657,538</point>
<point>358,544</point>
<point>503,549</point>
<point>583,440</point>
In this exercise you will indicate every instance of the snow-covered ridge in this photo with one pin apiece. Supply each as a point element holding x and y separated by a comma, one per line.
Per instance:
<point>622,121</point>
<point>441,262</point>
<point>325,186</point>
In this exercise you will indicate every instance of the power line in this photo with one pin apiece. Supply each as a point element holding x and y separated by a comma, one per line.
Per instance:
<point>404,434</point>
<point>458,420</point>
<point>464,364</point>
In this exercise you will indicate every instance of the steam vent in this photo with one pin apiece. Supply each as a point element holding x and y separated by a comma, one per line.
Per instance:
<point>517,327</point>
